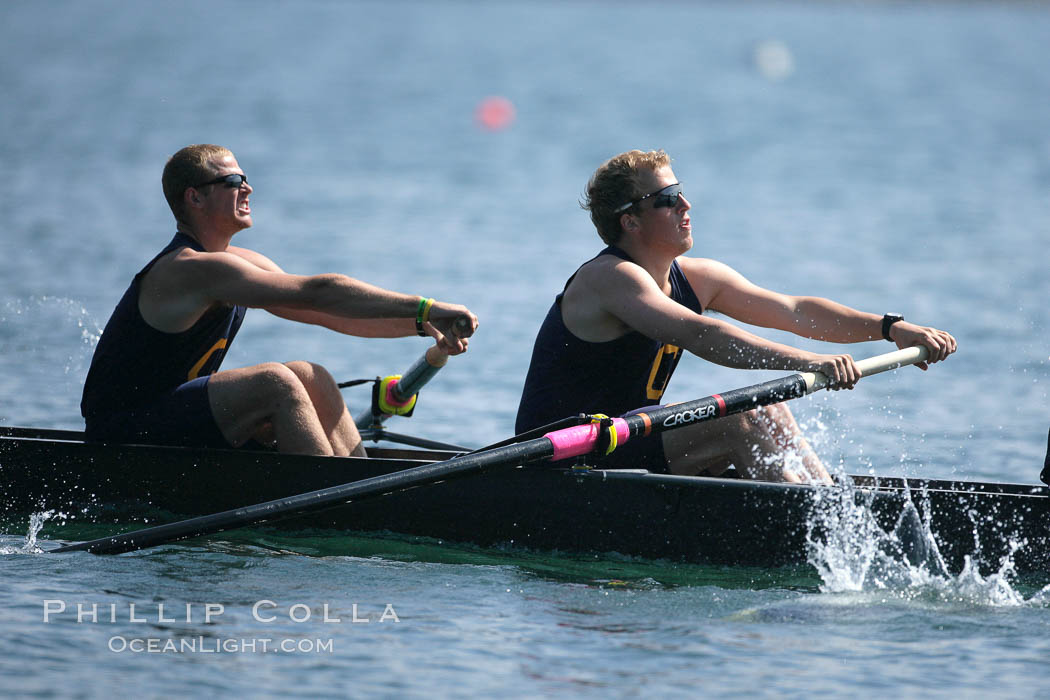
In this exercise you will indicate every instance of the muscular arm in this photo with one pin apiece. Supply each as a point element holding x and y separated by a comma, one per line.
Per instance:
<point>180,288</point>
<point>729,292</point>
<point>615,295</point>
<point>227,277</point>
<point>359,327</point>
<point>382,327</point>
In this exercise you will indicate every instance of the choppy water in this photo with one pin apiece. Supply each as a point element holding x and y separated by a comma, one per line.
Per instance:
<point>891,156</point>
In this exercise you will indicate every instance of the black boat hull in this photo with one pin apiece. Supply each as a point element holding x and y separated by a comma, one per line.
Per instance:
<point>705,520</point>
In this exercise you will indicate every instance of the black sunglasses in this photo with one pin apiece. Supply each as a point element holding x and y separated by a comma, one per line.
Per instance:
<point>232,181</point>
<point>669,196</point>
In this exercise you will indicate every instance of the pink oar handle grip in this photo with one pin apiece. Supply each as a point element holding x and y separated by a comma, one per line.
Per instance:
<point>392,397</point>
<point>581,439</point>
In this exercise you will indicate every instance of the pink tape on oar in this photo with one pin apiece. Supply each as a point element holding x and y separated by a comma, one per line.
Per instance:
<point>389,403</point>
<point>391,397</point>
<point>581,439</point>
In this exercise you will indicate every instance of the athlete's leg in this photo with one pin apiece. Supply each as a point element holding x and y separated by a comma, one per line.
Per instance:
<point>267,400</point>
<point>755,442</point>
<point>336,421</point>
<point>789,437</point>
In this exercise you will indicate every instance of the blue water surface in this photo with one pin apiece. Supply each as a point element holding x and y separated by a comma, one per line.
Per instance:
<point>891,156</point>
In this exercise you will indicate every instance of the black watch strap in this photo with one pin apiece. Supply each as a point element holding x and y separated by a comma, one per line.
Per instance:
<point>887,321</point>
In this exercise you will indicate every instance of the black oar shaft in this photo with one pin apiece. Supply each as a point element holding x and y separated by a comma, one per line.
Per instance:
<point>417,375</point>
<point>718,405</point>
<point>321,499</point>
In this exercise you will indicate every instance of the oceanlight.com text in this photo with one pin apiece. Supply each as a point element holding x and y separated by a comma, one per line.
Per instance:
<point>211,645</point>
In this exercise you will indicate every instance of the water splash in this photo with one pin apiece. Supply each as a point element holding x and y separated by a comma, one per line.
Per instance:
<point>36,524</point>
<point>797,447</point>
<point>50,340</point>
<point>854,554</point>
<point>34,324</point>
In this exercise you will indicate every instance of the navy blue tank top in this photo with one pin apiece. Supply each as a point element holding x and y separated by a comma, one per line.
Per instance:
<point>569,376</point>
<point>134,363</point>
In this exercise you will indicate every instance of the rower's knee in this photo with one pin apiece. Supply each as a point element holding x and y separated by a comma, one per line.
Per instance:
<point>278,383</point>
<point>749,435</point>
<point>330,407</point>
<point>743,425</point>
<point>319,383</point>
<point>313,376</point>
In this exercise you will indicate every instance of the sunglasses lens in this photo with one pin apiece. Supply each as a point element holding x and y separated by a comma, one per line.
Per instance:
<point>668,197</point>
<point>235,180</point>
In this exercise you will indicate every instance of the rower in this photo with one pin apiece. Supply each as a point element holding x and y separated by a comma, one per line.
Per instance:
<point>614,335</point>
<point>155,375</point>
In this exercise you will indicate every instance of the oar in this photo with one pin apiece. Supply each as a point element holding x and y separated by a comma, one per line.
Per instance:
<point>556,445</point>
<point>399,391</point>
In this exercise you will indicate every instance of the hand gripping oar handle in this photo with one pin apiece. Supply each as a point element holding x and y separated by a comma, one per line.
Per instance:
<point>873,365</point>
<point>558,444</point>
<point>414,379</point>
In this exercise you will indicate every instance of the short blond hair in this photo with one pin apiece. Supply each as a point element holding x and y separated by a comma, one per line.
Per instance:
<point>189,167</point>
<point>616,182</point>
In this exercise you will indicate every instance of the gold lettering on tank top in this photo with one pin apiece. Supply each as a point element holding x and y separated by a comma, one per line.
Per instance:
<point>660,374</point>
<point>195,370</point>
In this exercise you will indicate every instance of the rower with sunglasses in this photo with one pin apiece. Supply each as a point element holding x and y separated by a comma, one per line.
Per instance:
<point>155,374</point>
<point>614,335</point>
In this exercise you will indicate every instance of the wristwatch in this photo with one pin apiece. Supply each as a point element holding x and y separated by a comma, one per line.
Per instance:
<point>887,321</point>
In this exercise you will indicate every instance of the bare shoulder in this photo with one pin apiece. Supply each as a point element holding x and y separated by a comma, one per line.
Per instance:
<point>599,286</point>
<point>611,272</point>
<point>709,278</point>
<point>257,259</point>
<point>175,290</point>
<point>189,264</point>
<point>704,266</point>
<point>188,280</point>
<point>710,271</point>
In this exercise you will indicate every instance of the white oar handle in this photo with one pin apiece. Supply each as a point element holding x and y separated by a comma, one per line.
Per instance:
<point>435,357</point>
<point>421,372</point>
<point>872,365</point>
